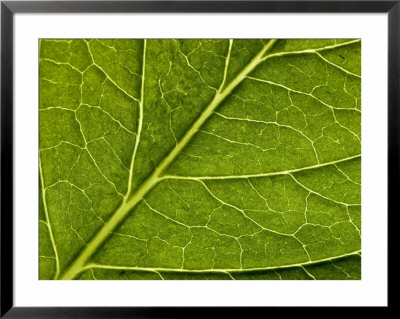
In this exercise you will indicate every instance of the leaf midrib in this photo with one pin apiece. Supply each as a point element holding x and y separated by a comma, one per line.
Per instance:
<point>119,215</point>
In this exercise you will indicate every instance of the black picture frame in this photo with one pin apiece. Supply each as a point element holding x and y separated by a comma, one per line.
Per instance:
<point>9,8</point>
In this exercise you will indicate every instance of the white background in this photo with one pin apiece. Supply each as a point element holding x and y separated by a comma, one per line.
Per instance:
<point>370,291</point>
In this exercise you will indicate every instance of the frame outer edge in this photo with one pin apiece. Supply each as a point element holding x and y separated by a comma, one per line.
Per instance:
<point>6,135</point>
<point>206,6</point>
<point>6,217</point>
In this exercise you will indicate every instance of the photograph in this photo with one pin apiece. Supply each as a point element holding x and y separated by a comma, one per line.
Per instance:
<point>199,159</point>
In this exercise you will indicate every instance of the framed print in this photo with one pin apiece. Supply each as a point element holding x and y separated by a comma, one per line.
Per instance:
<point>164,155</point>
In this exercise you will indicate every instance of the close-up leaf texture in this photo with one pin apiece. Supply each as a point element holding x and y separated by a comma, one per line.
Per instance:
<point>200,159</point>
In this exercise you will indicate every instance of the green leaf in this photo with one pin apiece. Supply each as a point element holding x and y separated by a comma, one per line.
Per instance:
<point>200,159</point>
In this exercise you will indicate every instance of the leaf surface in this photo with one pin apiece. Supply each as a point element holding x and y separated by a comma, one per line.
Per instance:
<point>200,159</point>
